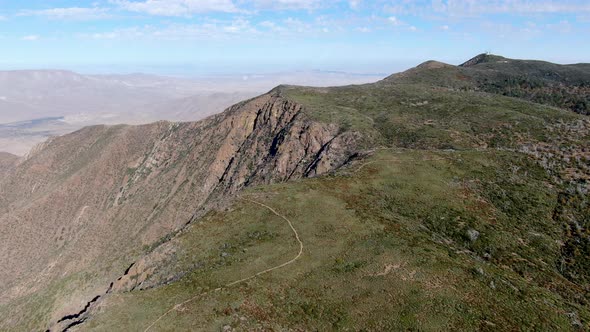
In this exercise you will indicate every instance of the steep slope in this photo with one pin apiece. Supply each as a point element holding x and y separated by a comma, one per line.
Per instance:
<point>7,163</point>
<point>79,210</point>
<point>7,159</point>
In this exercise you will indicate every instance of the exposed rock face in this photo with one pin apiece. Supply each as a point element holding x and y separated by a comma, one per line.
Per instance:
<point>144,273</point>
<point>275,141</point>
<point>76,210</point>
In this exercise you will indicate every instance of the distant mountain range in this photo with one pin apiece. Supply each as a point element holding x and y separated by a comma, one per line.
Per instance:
<point>67,93</point>
<point>84,100</point>
<point>441,198</point>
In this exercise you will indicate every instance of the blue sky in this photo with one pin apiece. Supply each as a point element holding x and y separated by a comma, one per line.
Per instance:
<point>239,36</point>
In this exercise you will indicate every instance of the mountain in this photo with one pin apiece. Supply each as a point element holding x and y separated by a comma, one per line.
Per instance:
<point>417,202</point>
<point>564,86</point>
<point>123,188</point>
<point>68,93</point>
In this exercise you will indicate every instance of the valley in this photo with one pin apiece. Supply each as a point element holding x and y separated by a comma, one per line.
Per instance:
<point>38,104</point>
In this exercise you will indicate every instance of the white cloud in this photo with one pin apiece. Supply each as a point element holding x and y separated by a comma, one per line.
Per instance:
<point>210,29</point>
<point>399,23</point>
<point>268,24</point>
<point>133,32</point>
<point>527,31</point>
<point>30,38</point>
<point>176,7</point>
<point>239,25</point>
<point>293,26</point>
<point>74,13</point>
<point>272,26</point>
<point>395,21</point>
<point>288,4</point>
<point>296,25</point>
<point>444,27</point>
<point>222,29</point>
<point>2,18</point>
<point>190,7</point>
<point>354,4</point>
<point>105,35</point>
<point>461,8</point>
<point>406,8</point>
<point>561,27</point>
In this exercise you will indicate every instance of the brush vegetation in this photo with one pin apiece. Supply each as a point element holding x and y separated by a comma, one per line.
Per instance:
<point>464,207</point>
<point>465,216</point>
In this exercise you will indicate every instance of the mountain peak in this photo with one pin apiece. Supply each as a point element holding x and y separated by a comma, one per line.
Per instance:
<point>482,58</point>
<point>432,64</point>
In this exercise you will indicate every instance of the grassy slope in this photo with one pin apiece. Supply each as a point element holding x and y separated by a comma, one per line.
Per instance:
<point>407,212</point>
<point>420,116</point>
<point>403,212</point>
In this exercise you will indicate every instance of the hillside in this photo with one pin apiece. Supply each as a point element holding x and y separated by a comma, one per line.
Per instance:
<point>565,86</point>
<point>418,202</point>
<point>122,189</point>
<point>7,162</point>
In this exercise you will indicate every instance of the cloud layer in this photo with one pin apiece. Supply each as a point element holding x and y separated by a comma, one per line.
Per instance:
<point>176,7</point>
<point>75,13</point>
<point>296,26</point>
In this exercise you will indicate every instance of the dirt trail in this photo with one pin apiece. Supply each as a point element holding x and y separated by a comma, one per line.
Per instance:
<point>81,214</point>
<point>178,307</point>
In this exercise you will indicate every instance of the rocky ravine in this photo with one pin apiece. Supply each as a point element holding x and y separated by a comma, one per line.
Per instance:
<point>80,209</point>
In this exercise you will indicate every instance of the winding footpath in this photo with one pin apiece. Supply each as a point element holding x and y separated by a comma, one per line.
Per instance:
<point>178,307</point>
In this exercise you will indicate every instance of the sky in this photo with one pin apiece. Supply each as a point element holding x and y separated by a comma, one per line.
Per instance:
<point>255,36</point>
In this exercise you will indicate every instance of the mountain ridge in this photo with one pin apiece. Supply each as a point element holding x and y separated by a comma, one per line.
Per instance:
<point>149,213</point>
<point>241,155</point>
<point>564,86</point>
